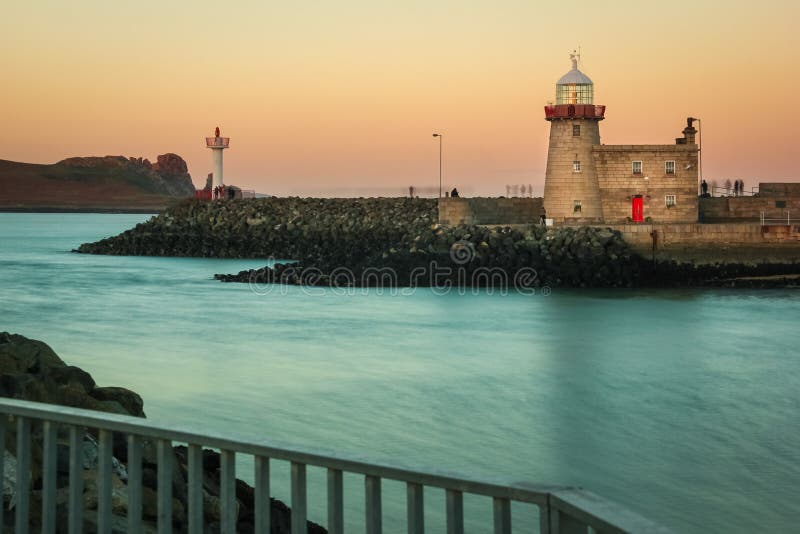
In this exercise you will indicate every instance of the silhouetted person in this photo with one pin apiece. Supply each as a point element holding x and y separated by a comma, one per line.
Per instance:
<point>704,187</point>
<point>454,193</point>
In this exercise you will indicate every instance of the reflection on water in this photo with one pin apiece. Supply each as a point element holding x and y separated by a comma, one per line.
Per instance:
<point>680,404</point>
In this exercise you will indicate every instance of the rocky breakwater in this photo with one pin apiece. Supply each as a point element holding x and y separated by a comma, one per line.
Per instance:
<point>356,236</point>
<point>524,258</point>
<point>30,370</point>
<point>308,229</point>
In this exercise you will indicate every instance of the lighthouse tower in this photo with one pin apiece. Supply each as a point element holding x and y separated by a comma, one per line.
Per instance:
<point>571,187</point>
<point>217,144</point>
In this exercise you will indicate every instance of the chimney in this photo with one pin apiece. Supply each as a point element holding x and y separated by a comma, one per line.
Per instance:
<point>689,132</point>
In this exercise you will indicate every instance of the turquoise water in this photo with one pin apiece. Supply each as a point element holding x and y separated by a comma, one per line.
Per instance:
<point>682,405</point>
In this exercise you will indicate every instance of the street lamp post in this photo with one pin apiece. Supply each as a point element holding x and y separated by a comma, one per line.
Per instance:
<point>700,150</point>
<point>440,162</point>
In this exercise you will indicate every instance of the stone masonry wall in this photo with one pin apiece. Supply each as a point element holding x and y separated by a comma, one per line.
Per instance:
<point>614,164</point>
<point>696,235</point>
<point>729,209</point>
<point>501,211</point>
<point>779,189</point>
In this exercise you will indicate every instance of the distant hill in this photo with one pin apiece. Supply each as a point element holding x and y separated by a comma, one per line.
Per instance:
<point>95,183</point>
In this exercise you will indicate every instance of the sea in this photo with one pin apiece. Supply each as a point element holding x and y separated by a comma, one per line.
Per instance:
<point>682,405</point>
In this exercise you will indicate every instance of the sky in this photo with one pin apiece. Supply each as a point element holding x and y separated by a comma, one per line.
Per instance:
<point>341,97</point>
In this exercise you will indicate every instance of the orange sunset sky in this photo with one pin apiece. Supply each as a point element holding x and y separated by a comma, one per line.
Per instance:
<point>341,97</point>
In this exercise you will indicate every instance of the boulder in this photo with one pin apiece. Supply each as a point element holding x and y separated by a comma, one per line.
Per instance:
<point>129,400</point>
<point>19,354</point>
<point>70,375</point>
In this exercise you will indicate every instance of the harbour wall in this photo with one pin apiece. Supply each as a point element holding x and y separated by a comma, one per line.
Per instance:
<point>732,209</point>
<point>489,211</point>
<point>716,242</point>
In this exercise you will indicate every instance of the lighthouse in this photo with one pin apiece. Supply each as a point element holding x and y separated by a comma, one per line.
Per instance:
<point>217,144</point>
<point>571,188</point>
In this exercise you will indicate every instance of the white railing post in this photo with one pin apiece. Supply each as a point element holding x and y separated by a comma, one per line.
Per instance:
<point>335,502</point>
<point>49,475</point>
<point>374,519</point>
<point>415,508</point>
<point>104,455</point>
<point>544,518</point>
<point>299,498</point>
<point>502,516</point>
<point>164,453</point>
<point>262,505</point>
<point>22,512</point>
<point>3,424</point>
<point>134,484</point>
<point>455,511</point>
<point>227,493</point>
<point>76,434</point>
<point>562,523</point>
<point>195,492</point>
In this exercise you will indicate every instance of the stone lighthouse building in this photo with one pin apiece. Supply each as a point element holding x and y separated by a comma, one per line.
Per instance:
<point>571,189</point>
<point>587,182</point>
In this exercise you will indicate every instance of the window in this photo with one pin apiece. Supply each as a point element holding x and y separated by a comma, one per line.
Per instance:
<point>669,167</point>
<point>576,130</point>
<point>576,206</point>
<point>574,93</point>
<point>637,167</point>
<point>780,203</point>
<point>669,200</point>
<point>576,166</point>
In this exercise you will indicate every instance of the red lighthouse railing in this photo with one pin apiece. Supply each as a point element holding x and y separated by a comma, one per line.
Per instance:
<point>217,142</point>
<point>574,111</point>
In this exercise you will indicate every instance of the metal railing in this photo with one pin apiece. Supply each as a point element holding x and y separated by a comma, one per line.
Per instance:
<point>784,221</point>
<point>721,191</point>
<point>562,510</point>
<point>577,111</point>
<point>218,142</point>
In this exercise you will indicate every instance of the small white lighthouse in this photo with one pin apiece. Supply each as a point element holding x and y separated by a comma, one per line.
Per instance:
<point>217,144</point>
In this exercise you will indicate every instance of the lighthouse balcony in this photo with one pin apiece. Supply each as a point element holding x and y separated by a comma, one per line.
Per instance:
<point>217,142</point>
<point>574,111</point>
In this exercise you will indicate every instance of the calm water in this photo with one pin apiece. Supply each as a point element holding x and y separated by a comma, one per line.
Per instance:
<point>683,405</point>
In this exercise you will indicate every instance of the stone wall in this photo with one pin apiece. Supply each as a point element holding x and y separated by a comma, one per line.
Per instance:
<point>618,183</point>
<point>501,211</point>
<point>730,209</point>
<point>707,236</point>
<point>779,189</point>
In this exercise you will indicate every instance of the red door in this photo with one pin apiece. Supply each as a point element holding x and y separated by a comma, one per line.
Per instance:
<point>637,205</point>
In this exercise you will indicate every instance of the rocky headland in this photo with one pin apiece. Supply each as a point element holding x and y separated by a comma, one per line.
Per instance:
<point>397,241</point>
<point>30,370</point>
<point>109,183</point>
